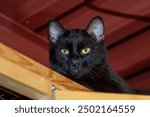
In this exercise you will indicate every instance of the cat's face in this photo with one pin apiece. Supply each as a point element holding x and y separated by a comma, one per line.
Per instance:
<point>77,51</point>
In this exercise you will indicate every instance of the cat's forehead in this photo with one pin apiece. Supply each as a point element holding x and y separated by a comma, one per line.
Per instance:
<point>76,35</point>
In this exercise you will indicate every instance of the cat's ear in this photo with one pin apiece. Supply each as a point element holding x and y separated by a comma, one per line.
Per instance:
<point>96,28</point>
<point>55,30</point>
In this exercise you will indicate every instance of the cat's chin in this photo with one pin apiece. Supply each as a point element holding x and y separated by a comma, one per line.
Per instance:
<point>78,72</point>
<point>77,75</point>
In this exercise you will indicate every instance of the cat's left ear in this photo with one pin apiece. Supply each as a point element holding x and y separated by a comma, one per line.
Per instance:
<point>55,30</point>
<point>96,29</point>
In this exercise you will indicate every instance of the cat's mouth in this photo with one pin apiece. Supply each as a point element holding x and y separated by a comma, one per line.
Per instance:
<point>75,72</point>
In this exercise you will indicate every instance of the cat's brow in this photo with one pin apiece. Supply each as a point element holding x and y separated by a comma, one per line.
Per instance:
<point>75,46</point>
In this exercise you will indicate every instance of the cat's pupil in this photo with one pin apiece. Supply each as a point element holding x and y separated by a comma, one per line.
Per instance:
<point>85,49</point>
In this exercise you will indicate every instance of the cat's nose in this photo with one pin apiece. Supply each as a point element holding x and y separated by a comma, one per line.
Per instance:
<point>75,63</point>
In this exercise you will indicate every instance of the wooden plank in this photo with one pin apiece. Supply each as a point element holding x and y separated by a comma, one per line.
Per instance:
<point>30,78</point>
<point>80,95</point>
<point>23,40</point>
<point>132,55</point>
<point>17,78</point>
<point>6,94</point>
<point>22,88</point>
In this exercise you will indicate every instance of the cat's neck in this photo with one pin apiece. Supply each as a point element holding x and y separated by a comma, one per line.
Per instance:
<point>104,73</point>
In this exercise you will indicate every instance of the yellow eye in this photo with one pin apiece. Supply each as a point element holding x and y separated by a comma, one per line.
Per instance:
<point>65,51</point>
<point>86,51</point>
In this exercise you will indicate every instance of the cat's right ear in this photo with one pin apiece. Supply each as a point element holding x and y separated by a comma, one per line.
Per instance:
<point>96,28</point>
<point>55,31</point>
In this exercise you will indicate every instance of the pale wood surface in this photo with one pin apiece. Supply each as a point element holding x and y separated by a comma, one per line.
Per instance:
<point>80,95</point>
<point>20,69</point>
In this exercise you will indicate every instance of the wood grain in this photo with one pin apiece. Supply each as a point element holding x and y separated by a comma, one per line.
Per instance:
<point>80,95</point>
<point>18,68</point>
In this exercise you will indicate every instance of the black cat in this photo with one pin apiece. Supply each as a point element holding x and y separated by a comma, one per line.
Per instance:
<point>81,56</point>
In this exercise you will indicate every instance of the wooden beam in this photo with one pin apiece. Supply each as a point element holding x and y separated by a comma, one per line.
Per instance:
<point>24,89</point>
<point>80,95</point>
<point>29,78</point>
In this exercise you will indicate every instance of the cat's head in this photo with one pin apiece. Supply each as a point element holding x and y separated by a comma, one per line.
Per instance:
<point>77,51</point>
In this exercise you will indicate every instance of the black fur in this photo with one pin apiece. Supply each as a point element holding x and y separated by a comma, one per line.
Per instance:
<point>93,70</point>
